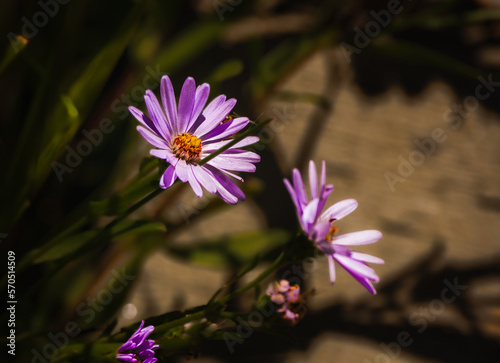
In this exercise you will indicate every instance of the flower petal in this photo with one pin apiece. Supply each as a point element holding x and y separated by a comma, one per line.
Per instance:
<point>181,169</point>
<point>152,138</point>
<point>143,119</point>
<point>313,180</point>
<point>169,102</point>
<point>358,238</point>
<point>214,117</point>
<point>200,99</point>
<point>211,147</point>
<point>205,178</point>
<point>157,115</point>
<point>195,184</point>
<point>168,178</point>
<point>226,129</point>
<point>186,104</point>
<point>340,210</point>
<point>331,266</point>
<point>366,258</point>
<point>299,187</point>
<point>228,163</point>
<point>356,268</point>
<point>309,216</point>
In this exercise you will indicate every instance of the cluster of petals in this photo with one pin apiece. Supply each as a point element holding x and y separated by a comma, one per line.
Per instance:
<point>186,133</point>
<point>137,348</point>
<point>319,227</point>
<point>284,295</point>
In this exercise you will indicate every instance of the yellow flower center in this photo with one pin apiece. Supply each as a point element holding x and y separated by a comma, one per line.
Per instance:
<point>331,232</point>
<point>187,147</point>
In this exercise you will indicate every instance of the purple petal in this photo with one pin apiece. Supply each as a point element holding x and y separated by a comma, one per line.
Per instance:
<point>331,266</point>
<point>358,238</point>
<point>226,189</point>
<point>226,129</point>
<point>169,102</point>
<point>200,99</point>
<point>309,216</point>
<point>168,178</point>
<point>356,268</point>
<point>242,155</point>
<point>340,210</point>
<point>152,138</point>
<point>195,184</point>
<point>299,187</point>
<point>157,115</point>
<point>323,177</point>
<point>214,117</point>
<point>143,119</point>
<point>186,104</point>
<point>129,357</point>
<point>205,178</point>
<point>293,195</point>
<point>211,147</point>
<point>162,154</point>
<point>313,181</point>
<point>181,169</point>
<point>366,258</point>
<point>221,162</point>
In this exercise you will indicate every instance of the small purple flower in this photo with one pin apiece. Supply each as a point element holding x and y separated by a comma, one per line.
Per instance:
<point>320,229</point>
<point>138,348</point>
<point>285,296</point>
<point>188,134</point>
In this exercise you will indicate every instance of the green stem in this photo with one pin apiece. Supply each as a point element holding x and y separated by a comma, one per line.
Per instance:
<point>274,266</point>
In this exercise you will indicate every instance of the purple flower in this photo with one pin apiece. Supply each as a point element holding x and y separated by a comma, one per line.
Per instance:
<point>287,297</point>
<point>320,229</point>
<point>138,348</point>
<point>185,135</point>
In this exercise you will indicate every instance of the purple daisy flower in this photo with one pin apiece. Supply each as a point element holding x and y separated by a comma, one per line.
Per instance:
<point>188,134</point>
<point>138,348</point>
<point>320,229</point>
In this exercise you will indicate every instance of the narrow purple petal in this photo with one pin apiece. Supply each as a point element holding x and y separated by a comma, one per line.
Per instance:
<point>299,187</point>
<point>186,104</point>
<point>169,102</point>
<point>200,99</point>
<point>356,268</point>
<point>168,178</point>
<point>157,115</point>
<point>226,130</point>
<point>143,119</point>
<point>162,154</point>
<point>242,155</point>
<point>313,181</point>
<point>340,210</point>
<point>195,184</point>
<point>293,195</point>
<point>309,216</point>
<point>331,266</point>
<point>211,147</point>
<point>226,189</point>
<point>358,238</point>
<point>232,164</point>
<point>323,177</point>
<point>152,138</point>
<point>366,258</point>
